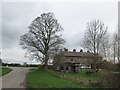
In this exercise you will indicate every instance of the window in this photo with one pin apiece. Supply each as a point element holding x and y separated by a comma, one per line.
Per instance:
<point>66,68</point>
<point>61,67</point>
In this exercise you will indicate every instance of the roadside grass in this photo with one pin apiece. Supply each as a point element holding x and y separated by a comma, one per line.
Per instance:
<point>44,79</point>
<point>4,70</point>
<point>82,73</point>
<point>81,78</point>
<point>32,69</point>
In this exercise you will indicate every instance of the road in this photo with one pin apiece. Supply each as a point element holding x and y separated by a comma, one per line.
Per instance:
<point>15,79</point>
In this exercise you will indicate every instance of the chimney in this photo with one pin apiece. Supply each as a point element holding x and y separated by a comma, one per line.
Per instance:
<point>74,50</point>
<point>88,51</point>
<point>81,50</point>
<point>65,49</point>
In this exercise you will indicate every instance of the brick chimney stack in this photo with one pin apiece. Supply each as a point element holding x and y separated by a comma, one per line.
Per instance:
<point>74,50</point>
<point>81,50</point>
<point>88,51</point>
<point>65,49</point>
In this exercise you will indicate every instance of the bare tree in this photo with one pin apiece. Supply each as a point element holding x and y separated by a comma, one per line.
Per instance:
<point>42,38</point>
<point>96,38</point>
<point>116,47</point>
<point>115,44</point>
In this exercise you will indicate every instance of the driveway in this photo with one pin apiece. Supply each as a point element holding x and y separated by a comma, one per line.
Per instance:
<point>15,79</point>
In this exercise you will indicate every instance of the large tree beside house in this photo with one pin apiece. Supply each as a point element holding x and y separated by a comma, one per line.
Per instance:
<point>96,38</point>
<point>42,38</point>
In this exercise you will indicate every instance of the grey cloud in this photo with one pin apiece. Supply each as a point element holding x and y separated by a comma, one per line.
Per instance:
<point>9,37</point>
<point>72,16</point>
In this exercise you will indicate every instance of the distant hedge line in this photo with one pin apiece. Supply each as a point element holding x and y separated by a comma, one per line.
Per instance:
<point>18,65</point>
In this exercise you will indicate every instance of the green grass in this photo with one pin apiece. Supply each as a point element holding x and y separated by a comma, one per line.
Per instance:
<point>82,74</point>
<point>31,69</point>
<point>81,77</point>
<point>4,70</point>
<point>45,79</point>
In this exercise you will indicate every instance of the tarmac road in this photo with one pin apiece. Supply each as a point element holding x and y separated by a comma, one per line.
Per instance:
<point>16,78</point>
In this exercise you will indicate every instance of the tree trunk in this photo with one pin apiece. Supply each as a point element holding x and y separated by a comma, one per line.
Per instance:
<point>45,66</point>
<point>114,53</point>
<point>118,51</point>
<point>46,63</point>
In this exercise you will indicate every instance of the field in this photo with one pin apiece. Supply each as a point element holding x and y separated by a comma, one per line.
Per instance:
<point>4,70</point>
<point>48,79</point>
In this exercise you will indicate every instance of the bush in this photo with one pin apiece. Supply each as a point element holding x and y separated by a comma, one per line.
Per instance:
<point>41,67</point>
<point>90,72</point>
<point>109,80</point>
<point>118,67</point>
<point>51,67</point>
<point>109,66</point>
<point>78,78</point>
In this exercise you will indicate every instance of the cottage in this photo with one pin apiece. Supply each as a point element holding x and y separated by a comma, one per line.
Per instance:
<point>72,61</point>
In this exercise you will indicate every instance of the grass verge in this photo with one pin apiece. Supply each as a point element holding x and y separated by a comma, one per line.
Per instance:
<point>81,78</point>
<point>44,79</point>
<point>4,70</point>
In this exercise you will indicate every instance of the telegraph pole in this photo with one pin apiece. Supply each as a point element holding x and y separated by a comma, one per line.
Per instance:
<point>119,31</point>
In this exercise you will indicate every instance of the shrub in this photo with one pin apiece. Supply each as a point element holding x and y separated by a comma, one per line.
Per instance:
<point>109,80</point>
<point>78,79</point>
<point>90,72</point>
<point>41,67</point>
<point>109,66</point>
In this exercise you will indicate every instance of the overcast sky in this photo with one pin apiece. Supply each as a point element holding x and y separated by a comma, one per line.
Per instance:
<point>16,17</point>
